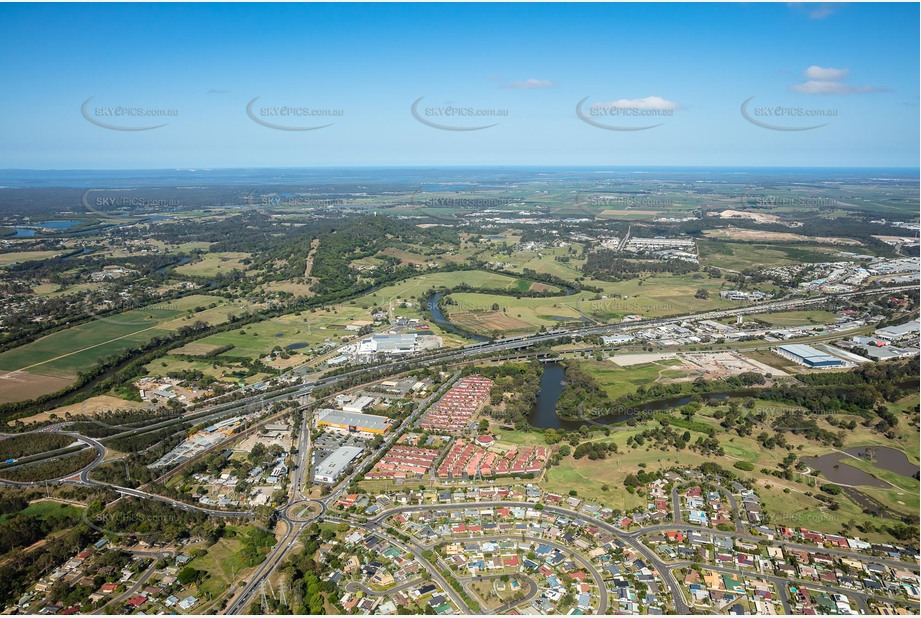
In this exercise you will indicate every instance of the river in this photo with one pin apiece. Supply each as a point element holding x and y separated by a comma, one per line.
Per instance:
<point>438,317</point>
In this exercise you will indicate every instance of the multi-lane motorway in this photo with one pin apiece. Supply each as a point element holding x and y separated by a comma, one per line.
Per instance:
<point>294,516</point>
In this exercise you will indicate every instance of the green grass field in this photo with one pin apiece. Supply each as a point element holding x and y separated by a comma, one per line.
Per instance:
<point>66,352</point>
<point>44,509</point>
<point>224,562</point>
<point>796,318</point>
<point>744,255</point>
<point>619,381</point>
<point>17,257</point>
<point>653,296</point>
<point>328,323</point>
<point>213,264</point>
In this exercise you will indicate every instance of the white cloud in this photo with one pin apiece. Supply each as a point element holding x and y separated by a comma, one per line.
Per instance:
<point>822,80</point>
<point>531,83</point>
<point>644,103</point>
<point>825,74</point>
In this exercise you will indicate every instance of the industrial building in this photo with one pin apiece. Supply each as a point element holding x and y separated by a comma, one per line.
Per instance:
<point>331,469</point>
<point>895,333</point>
<point>809,356</point>
<point>352,421</point>
<point>388,344</point>
<point>358,405</point>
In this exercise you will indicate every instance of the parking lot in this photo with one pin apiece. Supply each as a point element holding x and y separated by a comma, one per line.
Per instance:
<point>325,444</point>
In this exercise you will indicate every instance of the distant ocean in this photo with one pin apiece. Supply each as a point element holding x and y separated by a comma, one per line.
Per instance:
<point>284,176</point>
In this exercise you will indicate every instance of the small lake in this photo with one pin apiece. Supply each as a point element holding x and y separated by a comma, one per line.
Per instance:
<point>835,468</point>
<point>543,415</point>
<point>296,346</point>
<point>891,459</point>
<point>28,232</point>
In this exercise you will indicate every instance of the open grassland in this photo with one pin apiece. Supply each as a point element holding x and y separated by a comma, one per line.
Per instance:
<point>653,296</point>
<point>744,255</point>
<point>785,501</point>
<point>796,318</point>
<point>214,264</point>
<point>17,257</point>
<point>66,352</point>
<point>312,328</point>
<point>89,407</point>
<point>224,564</point>
<point>43,509</point>
<point>619,381</point>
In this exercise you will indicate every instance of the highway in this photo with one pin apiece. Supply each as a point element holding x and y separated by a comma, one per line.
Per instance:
<point>295,525</point>
<point>217,411</point>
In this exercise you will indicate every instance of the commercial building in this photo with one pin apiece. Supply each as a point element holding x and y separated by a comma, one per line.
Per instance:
<point>895,333</point>
<point>809,356</point>
<point>331,469</point>
<point>358,405</point>
<point>352,421</point>
<point>388,344</point>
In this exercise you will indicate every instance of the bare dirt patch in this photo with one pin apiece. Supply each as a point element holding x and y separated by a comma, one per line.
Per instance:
<point>488,321</point>
<point>720,365</point>
<point>734,233</point>
<point>91,407</point>
<point>22,385</point>
<point>754,216</point>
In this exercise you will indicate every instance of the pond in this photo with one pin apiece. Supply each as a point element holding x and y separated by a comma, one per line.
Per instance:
<point>543,415</point>
<point>835,470</point>
<point>886,458</point>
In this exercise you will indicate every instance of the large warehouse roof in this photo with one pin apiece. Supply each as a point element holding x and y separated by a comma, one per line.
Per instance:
<point>353,419</point>
<point>809,354</point>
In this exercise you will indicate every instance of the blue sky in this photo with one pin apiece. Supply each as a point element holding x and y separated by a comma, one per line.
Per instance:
<point>684,67</point>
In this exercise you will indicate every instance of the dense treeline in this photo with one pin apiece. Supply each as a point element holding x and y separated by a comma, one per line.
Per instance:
<point>139,442</point>
<point>133,471</point>
<point>514,393</point>
<point>852,392</point>
<point>308,578</point>
<point>52,468</point>
<point>582,396</point>
<point>21,530</point>
<point>32,444</point>
<point>609,265</point>
<point>150,520</point>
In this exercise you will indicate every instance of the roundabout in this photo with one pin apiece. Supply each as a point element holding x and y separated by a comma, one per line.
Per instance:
<point>303,511</point>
